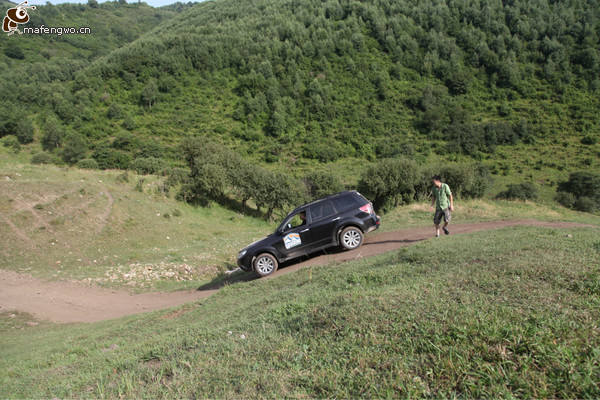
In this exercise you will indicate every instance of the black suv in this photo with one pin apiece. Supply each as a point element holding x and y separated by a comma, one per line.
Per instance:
<point>339,219</point>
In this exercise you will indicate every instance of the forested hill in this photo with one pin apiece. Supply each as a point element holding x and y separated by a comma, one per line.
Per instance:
<point>37,70</point>
<point>291,80</point>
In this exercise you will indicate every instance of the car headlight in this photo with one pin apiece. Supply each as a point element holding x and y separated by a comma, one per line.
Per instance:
<point>242,253</point>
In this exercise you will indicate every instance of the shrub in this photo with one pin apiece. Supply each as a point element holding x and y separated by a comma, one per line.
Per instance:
<point>52,136</point>
<point>566,199</point>
<point>114,111</point>
<point>151,148</point>
<point>589,140</point>
<point>123,178</point>
<point>582,184</point>
<point>41,158</point>
<point>125,141</point>
<point>12,142</point>
<point>88,163</point>
<point>74,149</point>
<point>176,176</point>
<point>109,158</point>
<point>146,166</point>
<point>320,184</point>
<point>128,123</point>
<point>520,191</point>
<point>586,204</point>
<point>390,182</point>
<point>24,131</point>
<point>14,52</point>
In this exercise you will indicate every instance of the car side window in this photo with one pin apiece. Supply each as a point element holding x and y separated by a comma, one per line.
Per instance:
<point>295,221</point>
<point>321,210</point>
<point>345,202</point>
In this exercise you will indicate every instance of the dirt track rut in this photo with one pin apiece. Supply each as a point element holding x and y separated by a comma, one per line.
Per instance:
<point>72,302</point>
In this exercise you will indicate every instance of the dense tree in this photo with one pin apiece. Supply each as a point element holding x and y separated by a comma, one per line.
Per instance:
<point>74,149</point>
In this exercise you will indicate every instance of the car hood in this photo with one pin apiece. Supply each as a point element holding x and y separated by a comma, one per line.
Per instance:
<point>261,242</point>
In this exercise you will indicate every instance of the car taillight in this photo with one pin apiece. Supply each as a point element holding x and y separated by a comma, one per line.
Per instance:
<point>367,208</point>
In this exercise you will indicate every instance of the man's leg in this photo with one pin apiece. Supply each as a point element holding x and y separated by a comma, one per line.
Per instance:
<point>437,218</point>
<point>447,218</point>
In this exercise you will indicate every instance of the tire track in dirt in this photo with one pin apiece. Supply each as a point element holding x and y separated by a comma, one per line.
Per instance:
<point>73,302</point>
<point>18,232</point>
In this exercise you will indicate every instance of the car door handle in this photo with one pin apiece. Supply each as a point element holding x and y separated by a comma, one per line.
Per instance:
<point>335,219</point>
<point>305,230</point>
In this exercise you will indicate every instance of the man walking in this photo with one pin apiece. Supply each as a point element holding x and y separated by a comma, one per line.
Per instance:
<point>444,204</point>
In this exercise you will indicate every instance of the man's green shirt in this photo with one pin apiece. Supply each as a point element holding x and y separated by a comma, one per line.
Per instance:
<point>442,196</point>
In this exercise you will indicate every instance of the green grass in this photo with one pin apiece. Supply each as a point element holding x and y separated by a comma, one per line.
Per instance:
<point>93,227</point>
<point>492,314</point>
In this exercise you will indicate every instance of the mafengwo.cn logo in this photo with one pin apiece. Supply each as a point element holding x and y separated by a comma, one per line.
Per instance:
<point>18,15</point>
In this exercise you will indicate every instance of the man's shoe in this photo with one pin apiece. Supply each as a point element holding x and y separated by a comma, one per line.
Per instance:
<point>446,231</point>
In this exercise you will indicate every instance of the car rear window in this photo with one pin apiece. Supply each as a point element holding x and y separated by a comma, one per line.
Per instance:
<point>345,202</point>
<point>321,210</point>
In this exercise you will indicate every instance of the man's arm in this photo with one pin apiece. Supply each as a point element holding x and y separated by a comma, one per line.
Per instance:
<point>451,203</point>
<point>432,201</point>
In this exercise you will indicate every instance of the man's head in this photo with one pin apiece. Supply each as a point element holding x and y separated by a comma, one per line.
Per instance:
<point>303,215</point>
<point>437,181</point>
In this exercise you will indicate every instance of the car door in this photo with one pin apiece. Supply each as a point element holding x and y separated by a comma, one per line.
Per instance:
<point>323,220</point>
<point>295,237</point>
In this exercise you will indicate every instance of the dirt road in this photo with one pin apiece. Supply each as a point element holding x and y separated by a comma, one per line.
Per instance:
<point>71,302</point>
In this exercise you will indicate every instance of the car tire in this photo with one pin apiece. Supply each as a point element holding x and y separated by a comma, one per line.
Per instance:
<point>351,238</point>
<point>265,264</point>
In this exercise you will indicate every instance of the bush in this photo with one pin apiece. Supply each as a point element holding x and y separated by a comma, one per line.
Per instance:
<point>582,184</point>
<point>88,163</point>
<point>108,158</point>
<point>146,166</point>
<point>24,131</point>
<point>14,52</point>
<point>566,199</point>
<point>12,142</point>
<point>176,176</point>
<point>74,149</point>
<point>114,111</point>
<point>520,191</point>
<point>320,184</point>
<point>581,191</point>
<point>589,140</point>
<point>125,141</point>
<point>390,182</point>
<point>52,136</point>
<point>41,158</point>
<point>586,204</point>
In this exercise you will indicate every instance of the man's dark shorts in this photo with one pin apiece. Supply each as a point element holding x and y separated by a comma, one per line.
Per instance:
<point>437,218</point>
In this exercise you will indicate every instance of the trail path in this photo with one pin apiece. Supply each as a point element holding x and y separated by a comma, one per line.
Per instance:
<point>72,302</point>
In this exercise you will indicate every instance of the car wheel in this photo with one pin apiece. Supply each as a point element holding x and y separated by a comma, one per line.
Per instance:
<point>351,238</point>
<point>265,264</point>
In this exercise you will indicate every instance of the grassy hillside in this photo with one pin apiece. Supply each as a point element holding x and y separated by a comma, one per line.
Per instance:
<point>496,316</point>
<point>310,85</point>
<point>113,229</point>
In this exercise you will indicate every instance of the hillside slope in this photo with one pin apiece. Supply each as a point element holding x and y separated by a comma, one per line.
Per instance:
<point>329,80</point>
<point>495,317</point>
<point>109,229</point>
<point>303,83</point>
